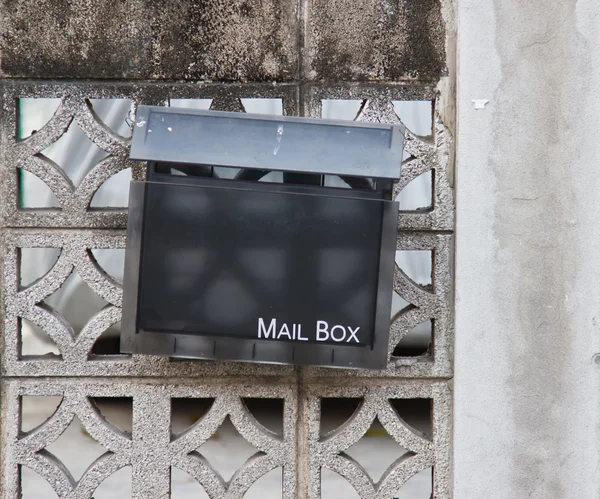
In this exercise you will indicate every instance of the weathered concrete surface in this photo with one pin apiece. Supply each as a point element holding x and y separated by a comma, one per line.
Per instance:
<point>375,40</point>
<point>232,40</point>
<point>527,407</point>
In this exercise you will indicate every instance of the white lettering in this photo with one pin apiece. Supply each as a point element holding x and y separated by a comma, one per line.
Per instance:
<point>265,332</point>
<point>352,334</point>
<point>322,327</point>
<point>323,333</point>
<point>343,333</point>
<point>284,331</point>
<point>300,337</point>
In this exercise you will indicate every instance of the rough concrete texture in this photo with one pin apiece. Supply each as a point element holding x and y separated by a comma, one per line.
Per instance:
<point>152,381</point>
<point>375,40</point>
<point>423,450</point>
<point>423,154</point>
<point>75,347</point>
<point>74,201</point>
<point>527,418</point>
<point>235,40</point>
<point>75,213</point>
<point>152,447</point>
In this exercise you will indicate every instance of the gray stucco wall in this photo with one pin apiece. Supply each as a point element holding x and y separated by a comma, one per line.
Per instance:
<point>527,270</point>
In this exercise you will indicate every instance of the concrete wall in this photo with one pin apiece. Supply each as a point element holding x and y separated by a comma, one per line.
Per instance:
<point>528,266</point>
<point>224,40</point>
<point>301,53</point>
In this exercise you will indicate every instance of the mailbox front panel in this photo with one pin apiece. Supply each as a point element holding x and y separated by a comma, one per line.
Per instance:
<point>259,274</point>
<point>259,265</point>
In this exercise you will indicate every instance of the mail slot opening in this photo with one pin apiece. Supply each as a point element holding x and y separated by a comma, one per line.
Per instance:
<point>157,170</point>
<point>222,263</point>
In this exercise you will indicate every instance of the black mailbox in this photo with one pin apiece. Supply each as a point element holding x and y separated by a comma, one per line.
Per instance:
<point>261,238</point>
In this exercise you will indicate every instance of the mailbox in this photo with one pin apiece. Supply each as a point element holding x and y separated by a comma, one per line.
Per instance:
<point>261,238</point>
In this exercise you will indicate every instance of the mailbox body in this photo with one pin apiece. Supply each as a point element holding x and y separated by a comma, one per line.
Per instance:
<point>237,269</point>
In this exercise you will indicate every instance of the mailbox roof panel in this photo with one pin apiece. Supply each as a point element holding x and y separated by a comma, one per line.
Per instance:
<point>282,143</point>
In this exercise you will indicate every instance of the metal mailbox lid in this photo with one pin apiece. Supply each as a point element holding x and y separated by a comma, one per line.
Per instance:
<point>282,143</point>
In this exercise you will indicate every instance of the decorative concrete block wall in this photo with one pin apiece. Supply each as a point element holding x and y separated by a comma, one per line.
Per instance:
<point>150,52</point>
